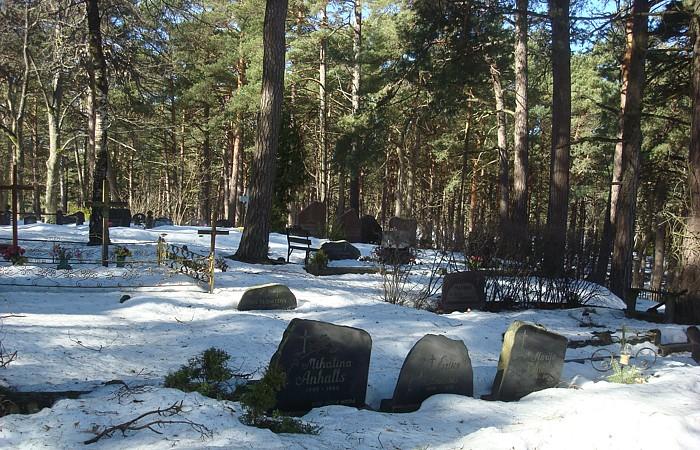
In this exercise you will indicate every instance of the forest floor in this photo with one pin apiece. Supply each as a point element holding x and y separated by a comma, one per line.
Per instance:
<point>70,334</point>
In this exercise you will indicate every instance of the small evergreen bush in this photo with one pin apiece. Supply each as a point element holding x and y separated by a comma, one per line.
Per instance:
<point>625,374</point>
<point>259,399</point>
<point>207,374</point>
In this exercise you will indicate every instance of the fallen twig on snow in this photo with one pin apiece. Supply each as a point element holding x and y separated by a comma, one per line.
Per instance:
<point>133,425</point>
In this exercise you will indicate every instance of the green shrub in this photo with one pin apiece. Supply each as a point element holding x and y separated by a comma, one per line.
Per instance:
<point>625,374</point>
<point>259,399</point>
<point>319,259</point>
<point>207,374</point>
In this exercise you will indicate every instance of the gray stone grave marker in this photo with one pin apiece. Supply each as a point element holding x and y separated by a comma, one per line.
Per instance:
<point>267,296</point>
<point>462,291</point>
<point>324,364</point>
<point>435,365</point>
<point>531,360</point>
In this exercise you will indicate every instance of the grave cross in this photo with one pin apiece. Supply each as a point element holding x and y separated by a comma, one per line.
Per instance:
<point>212,249</point>
<point>99,233</point>
<point>15,188</point>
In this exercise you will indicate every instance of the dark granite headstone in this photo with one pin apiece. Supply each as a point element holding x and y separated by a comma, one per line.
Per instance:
<point>693,334</point>
<point>138,219</point>
<point>65,220</point>
<point>162,222</point>
<point>120,217</point>
<point>435,365</point>
<point>6,216</point>
<point>462,291</point>
<point>531,360</point>
<point>267,296</point>
<point>336,250</point>
<point>150,222</point>
<point>312,218</point>
<point>224,223</point>
<point>325,364</point>
<point>349,225</point>
<point>28,220</point>
<point>406,229</point>
<point>370,230</point>
<point>79,217</point>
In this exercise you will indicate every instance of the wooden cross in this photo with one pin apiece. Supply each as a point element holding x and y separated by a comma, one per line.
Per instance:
<point>100,235</point>
<point>15,188</point>
<point>212,249</point>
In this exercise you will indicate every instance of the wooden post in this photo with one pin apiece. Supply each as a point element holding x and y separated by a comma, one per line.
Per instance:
<point>212,248</point>
<point>15,188</point>
<point>15,206</point>
<point>105,223</point>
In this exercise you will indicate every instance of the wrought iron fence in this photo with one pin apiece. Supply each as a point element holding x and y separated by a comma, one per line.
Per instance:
<point>183,260</point>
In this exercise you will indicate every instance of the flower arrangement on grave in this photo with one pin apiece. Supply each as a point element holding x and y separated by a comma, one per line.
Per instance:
<point>63,255</point>
<point>475,262</point>
<point>14,254</point>
<point>121,252</point>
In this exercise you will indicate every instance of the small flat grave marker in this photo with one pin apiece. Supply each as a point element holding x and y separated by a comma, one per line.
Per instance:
<point>267,296</point>
<point>462,291</point>
<point>325,364</point>
<point>435,365</point>
<point>531,360</point>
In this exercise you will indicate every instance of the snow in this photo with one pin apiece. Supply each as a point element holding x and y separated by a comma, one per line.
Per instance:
<point>79,338</point>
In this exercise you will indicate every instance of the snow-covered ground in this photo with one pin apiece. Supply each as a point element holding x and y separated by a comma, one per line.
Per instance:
<point>80,338</point>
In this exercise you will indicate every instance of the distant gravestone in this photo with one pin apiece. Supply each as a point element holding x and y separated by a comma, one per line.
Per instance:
<point>693,334</point>
<point>30,219</point>
<point>312,218</point>
<point>267,296</point>
<point>370,230</point>
<point>406,229</point>
<point>349,225</point>
<point>150,221</point>
<point>120,217</point>
<point>435,365</point>
<point>336,250</point>
<point>324,364</point>
<point>224,223</point>
<point>162,222</point>
<point>138,219</point>
<point>531,360</point>
<point>462,291</point>
<point>79,217</point>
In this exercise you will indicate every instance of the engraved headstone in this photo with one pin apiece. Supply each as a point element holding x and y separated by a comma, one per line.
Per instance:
<point>435,365</point>
<point>406,228</point>
<point>370,230</point>
<point>267,296</point>
<point>462,291</point>
<point>324,364</point>
<point>349,225</point>
<point>531,360</point>
<point>312,218</point>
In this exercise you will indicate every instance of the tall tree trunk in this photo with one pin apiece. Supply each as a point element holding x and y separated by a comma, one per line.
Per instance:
<point>657,273</point>
<point>323,110</point>
<point>503,177</point>
<point>256,233</point>
<point>97,68</point>
<point>557,212</point>
<point>520,131</point>
<point>355,171</point>
<point>690,280</point>
<point>628,148</point>
<point>205,192</point>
